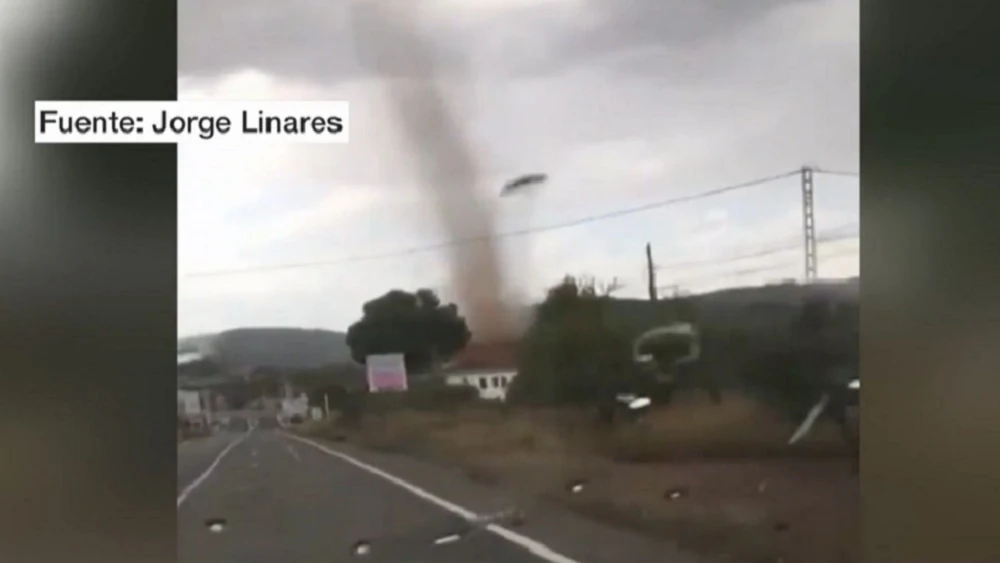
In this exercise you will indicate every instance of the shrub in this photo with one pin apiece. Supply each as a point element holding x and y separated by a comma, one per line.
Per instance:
<point>571,355</point>
<point>427,395</point>
<point>434,394</point>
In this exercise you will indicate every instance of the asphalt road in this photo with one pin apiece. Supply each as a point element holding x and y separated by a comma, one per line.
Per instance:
<point>276,499</point>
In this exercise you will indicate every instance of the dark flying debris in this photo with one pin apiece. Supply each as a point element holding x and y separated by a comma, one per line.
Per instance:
<point>523,182</point>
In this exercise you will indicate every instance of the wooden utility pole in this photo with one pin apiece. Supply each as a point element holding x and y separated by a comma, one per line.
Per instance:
<point>650,272</point>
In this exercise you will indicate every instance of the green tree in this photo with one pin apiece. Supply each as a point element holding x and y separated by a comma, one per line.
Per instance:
<point>822,349</point>
<point>416,325</point>
<point>570,355</point>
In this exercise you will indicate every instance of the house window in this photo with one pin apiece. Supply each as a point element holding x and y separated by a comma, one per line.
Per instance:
<point>496,382</point>
<point>483,384</point>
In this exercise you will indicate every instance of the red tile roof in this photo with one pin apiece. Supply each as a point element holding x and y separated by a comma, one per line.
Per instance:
<point>481,355</point>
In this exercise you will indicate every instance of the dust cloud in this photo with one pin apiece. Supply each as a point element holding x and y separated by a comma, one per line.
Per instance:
<point>388,41</point>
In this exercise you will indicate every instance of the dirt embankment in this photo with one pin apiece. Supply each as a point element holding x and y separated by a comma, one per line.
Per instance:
<point>717,480</point>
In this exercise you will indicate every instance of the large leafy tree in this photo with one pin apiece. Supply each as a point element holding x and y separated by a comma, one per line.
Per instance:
<point>571,355</point>
<point>821,356</point>
<point>416,325</point>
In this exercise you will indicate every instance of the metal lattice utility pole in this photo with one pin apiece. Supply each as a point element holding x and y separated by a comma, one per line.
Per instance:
<point>809,223</point>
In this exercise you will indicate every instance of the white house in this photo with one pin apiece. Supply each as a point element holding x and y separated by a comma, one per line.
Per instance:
<point>193,406</point>
<point>489,368</point>
<point>189,402</point>
<point>491,384</point>
<point>294,406</point>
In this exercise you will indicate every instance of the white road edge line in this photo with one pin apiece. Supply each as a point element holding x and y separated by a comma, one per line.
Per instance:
<point>201,478</point>
<point>534,547</point>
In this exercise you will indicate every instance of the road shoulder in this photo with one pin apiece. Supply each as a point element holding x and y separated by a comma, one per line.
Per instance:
<point>560,529</point>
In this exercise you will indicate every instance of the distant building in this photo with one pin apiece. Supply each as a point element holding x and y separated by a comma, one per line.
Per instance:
<point>194,407</point>
<point>488,368</point>
<point>189,403</point>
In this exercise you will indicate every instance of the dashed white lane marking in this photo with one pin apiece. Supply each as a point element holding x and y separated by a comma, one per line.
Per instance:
<point>201,478</point>
<point>293,453</point>
<point>534,547</point>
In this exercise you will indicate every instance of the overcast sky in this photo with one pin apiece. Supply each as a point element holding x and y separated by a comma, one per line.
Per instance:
<point>622,102</point>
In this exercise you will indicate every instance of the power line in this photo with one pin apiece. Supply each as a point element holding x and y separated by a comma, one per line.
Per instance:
<point>844,252</point>
<point>693,280</point>
<point>759,269</point>
<point>508,234</point>
<point>830,237</point>
<point>837,172</point>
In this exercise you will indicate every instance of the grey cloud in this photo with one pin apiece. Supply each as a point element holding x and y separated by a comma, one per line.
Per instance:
<point>301,38</point>
<point>312,39</point>
<point>626,25</point>
<point>716,92</point>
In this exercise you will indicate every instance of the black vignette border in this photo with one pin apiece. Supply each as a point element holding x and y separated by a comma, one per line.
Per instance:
<point>88,237</point>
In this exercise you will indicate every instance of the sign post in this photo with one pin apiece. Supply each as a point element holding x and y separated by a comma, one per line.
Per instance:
<point>386,372</point>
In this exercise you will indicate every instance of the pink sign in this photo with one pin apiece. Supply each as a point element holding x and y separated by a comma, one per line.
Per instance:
<point>386,372</point>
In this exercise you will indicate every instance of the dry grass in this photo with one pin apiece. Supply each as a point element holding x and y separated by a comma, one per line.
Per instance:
<point>741,484</point>
<point>689,429</point>
<point>737,429</point>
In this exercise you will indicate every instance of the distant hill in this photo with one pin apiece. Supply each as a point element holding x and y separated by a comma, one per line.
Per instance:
<point>720,315</point>
<point>743,308</point>
<point>195,345</point>
<point>243,350</point>
<point>735,324</point>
